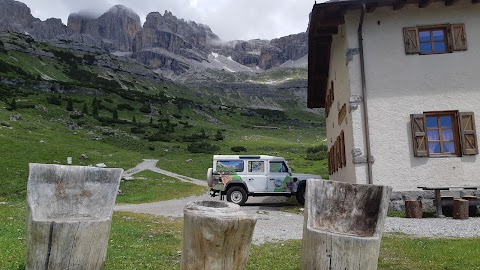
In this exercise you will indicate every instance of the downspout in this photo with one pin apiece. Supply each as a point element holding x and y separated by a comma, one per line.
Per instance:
<point>366,128</point>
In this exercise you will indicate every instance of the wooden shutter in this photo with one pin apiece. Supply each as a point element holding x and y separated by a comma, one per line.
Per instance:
<point>419,136</point>
<point>468,134</point>
<point>410,36</point>
<point>458,37</point>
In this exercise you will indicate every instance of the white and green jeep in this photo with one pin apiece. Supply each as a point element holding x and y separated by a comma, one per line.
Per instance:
<point>241,176</point>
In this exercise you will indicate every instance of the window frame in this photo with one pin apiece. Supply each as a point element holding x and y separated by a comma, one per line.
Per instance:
<point>432,41</point>
<point>455,130</point>
<point>455,38</point>
<point>464,132</point>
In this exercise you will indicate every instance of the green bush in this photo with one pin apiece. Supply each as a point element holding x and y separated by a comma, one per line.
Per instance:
<point>202,147</point>
<point>159,137</point>
<point>125,107</point>
<point>137,130</point>
<point>238,149</point>
<point>317,152</point>
<point>146,108</point>
<point>219,136</point>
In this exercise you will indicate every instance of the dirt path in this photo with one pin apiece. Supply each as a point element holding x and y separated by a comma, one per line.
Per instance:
<point>151,164</point>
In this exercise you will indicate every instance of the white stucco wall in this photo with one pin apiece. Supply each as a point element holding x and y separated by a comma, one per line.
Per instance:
<point>399,85</point>
<point>339,75</point>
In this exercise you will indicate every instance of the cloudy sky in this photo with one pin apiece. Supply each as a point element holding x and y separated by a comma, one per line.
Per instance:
<point>229,19</point>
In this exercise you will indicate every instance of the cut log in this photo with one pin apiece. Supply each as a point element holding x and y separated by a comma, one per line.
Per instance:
<point>413,209</point>
<point>460,209</point>
<point>69,216</point>
<point>216,236</point>
<point>343,225</point>
<point>472,209</point>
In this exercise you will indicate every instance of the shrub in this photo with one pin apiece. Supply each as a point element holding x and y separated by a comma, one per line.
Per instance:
<point>69,105</point>
<point>219,136</point>
<point>146,108</point>
<point>158,137</point>
<point>125,107</point>
<point>237,149</point>
<point>54,100</point>
<point>202,147</point>
<point>137,130</point>
<point>317,152</point>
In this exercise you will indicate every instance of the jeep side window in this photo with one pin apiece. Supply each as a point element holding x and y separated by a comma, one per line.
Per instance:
<point>278,166</point>
<point>230,165</point>
<point>256,166</point>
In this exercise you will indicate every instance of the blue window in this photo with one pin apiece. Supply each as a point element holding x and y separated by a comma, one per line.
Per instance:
<point>442,133</point>
<point>432,40</point>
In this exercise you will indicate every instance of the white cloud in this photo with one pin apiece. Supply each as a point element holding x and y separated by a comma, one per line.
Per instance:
<point>229,19</point>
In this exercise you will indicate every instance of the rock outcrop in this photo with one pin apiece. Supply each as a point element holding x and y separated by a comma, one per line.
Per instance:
<point>114,30</point>
<point>264,53</point>
<point>15,16</point>
<point>165,35</point>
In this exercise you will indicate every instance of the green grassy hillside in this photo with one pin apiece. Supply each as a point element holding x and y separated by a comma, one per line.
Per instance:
<point>57,103</point>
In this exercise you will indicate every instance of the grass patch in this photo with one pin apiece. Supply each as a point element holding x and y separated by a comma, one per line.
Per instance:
<point>140,241</point>
<point>151,187</point>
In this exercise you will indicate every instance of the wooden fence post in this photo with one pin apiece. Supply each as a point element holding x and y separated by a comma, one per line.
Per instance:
<point>343,225</point>
<point>69,216</point>
<point>216,236</point>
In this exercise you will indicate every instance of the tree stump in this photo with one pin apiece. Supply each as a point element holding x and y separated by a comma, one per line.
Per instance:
<point>343,225</point>
<point>216,236</point>
<point>460,209</point>
<point>69,215</point>
<point>472,209</point>
<point>413,209</point>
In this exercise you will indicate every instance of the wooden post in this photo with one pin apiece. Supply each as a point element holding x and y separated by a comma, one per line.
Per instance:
<point>413,209</point>
<point>460,209</point>
<point>69,216</point>
<point>343,225</point>
<point>216,236</point>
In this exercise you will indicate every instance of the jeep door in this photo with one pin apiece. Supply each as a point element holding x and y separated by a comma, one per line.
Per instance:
<point>278,177</point>
<point>256,176</point>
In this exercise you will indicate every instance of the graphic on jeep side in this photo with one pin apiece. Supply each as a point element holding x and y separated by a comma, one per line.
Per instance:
<point>285,185</point>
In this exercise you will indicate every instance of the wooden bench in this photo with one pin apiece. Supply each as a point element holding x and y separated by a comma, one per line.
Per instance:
<point>438,198</point>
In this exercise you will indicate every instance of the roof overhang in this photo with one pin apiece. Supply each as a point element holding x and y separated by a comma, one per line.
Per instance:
<point>324,21</point>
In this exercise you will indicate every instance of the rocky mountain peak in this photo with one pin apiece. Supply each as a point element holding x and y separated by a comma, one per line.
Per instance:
<point>15,16</point>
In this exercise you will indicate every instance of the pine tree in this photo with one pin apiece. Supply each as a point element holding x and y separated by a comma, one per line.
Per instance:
<point>70,105</point>
<point>219,135</point>
<point>134,120</point>
<point>115,114</point>
<point>85,108</point>
<point>95,110</point>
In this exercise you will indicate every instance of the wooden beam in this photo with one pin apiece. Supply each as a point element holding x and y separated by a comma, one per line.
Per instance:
<point>329,21</point>
<point>424,3</point>
<point>326,31</point>
<point>450,2</point>
<point>322,39</point>
<point>371,7</point>
<point>399,4</point>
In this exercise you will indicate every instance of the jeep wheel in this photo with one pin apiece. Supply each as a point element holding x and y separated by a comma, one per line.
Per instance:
<point>237,195</point>
<point>301,194</point>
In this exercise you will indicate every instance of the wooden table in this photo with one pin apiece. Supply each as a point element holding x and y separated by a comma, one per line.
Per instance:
<point>438,198</point>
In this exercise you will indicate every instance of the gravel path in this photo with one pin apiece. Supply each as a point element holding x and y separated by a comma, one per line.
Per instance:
<point>273,224</point>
